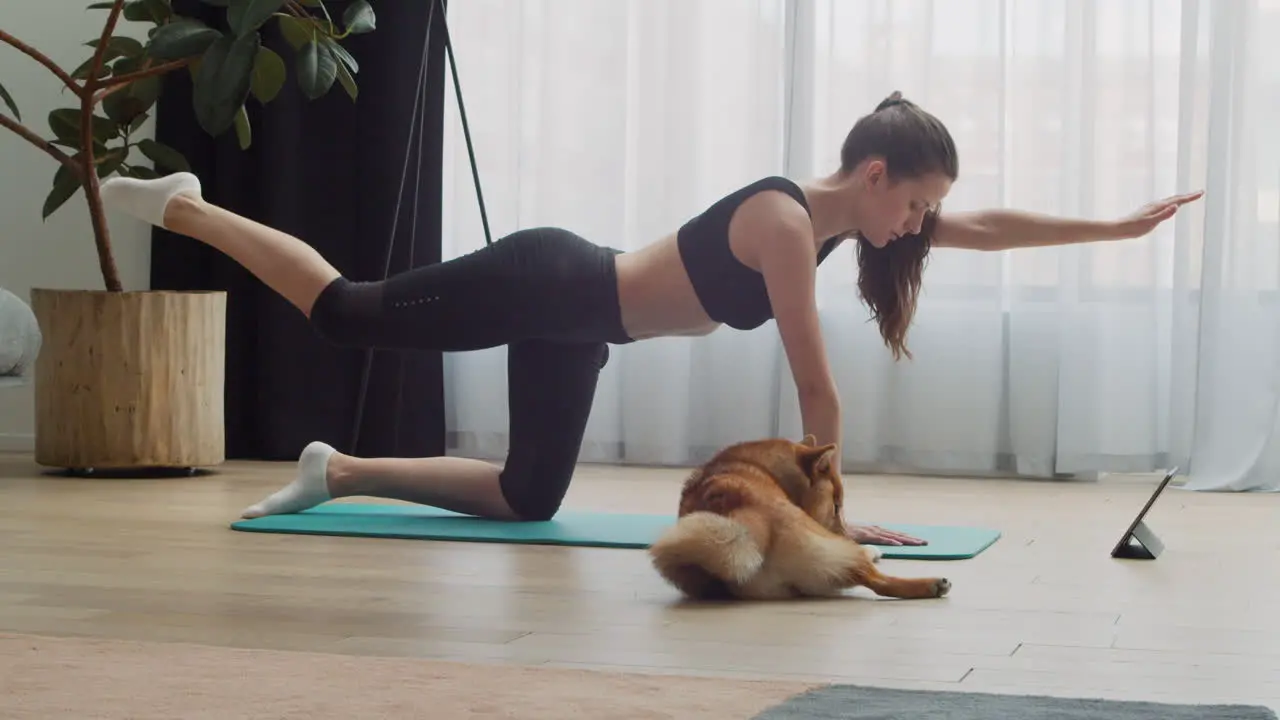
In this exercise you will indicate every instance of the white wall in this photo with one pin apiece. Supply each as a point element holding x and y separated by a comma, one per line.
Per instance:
<point>58,253</point>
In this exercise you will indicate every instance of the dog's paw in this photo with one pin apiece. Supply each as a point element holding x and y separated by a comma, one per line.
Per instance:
<point>941,587</point>
<point>873,552</point>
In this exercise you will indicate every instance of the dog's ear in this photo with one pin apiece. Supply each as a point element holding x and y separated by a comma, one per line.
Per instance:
<point>826,461</point>
<point>816,460</point>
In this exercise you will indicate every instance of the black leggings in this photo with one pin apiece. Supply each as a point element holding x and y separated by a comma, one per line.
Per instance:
<point>547,294</point>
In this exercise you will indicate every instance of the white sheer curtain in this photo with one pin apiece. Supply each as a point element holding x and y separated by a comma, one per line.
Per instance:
<point>620,120</point>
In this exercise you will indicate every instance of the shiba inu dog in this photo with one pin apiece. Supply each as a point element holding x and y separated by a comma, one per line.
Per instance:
<point>762,520</point>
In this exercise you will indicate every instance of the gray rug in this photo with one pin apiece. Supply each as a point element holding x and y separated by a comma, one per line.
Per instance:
<point>851,702</point>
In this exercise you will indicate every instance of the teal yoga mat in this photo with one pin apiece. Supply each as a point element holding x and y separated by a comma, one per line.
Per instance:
<point>569,527</point>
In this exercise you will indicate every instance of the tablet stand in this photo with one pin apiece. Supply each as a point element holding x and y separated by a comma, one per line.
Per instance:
<point>1140,541</point>
<point>1140,544</point>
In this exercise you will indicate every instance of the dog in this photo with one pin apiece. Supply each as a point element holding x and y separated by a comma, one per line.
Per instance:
<point>763,520</point>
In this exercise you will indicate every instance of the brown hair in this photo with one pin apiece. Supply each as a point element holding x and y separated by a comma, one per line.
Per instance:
<point>913,143</point>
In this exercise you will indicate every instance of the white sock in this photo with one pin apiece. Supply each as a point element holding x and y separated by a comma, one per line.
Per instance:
<point>308,489</point>
<point>147,199</point>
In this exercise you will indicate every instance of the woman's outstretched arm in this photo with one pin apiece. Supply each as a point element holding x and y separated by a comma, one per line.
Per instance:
<point>782,245</point>
<point>1005,229</point>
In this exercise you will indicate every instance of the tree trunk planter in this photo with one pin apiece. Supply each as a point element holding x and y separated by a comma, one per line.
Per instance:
<point>130,380</point>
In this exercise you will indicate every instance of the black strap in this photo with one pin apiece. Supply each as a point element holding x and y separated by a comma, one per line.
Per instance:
<point>417,130</point>
<point>466,131</point>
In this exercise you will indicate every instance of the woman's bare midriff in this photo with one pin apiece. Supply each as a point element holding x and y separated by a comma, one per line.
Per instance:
<point>657,297</point>
<point>656,294</point>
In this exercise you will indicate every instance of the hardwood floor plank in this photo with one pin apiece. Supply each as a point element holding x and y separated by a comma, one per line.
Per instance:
<point>1159,666</point>
<point>1150,660</point>
<point>1110,679</point>
<point>1044,610</point>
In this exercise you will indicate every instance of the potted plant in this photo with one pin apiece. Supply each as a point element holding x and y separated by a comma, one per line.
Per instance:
<point>134,379</point>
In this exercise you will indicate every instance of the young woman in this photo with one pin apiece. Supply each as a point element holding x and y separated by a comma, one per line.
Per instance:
<point>557,301</point>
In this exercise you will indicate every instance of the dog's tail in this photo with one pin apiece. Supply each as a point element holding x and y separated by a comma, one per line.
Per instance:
<point>704,553</point>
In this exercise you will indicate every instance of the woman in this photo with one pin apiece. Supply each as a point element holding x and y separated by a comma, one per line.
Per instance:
<point>558,301</point>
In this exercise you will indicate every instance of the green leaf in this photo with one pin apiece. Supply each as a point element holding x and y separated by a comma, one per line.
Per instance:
<point>104,128</point>
<point>296,31</point>
<point>65,123</point>
<point>82,71</point>
<point>269,74</point>
<point>224,80</point>
<point>136,11</point>
<point>217,3</point>
<point>111,162</point>
<point>147,90</point>
<point>122,106</point>
<point>99,147</point>
<point>182,39</point>
<point>244,132</point>
<point>65,186</point>
<point>156,11</point>
<point>141,172</point>
<point>118,46</point>
<point>161,10</point>
<point>341,53</point>
<point>359,18</point>
<point>246,16</point>
<point>8,100</point>
<point>317,70</point>
<point>137,123</point>
<point>163,155</point>
<point>348,82</point>
<point>101,6</point>
<point>126,65</point>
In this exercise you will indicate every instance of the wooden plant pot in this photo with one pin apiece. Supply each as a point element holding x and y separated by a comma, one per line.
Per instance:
<point>130,380</point>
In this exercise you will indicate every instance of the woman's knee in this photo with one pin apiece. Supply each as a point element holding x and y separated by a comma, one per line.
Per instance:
<point>533,496</point>
<point>552,386</point>
<point>345,312</point>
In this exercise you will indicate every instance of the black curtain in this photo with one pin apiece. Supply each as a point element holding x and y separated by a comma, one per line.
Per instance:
<point>327,171</point>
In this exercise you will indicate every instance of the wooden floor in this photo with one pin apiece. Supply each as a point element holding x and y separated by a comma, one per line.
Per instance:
<point>1045,610</point>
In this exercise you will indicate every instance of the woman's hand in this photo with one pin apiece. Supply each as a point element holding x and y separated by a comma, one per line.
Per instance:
<point>875,535</point>
<point>1147,217</point>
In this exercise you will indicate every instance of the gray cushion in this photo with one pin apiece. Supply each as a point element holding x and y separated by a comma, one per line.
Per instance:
<point>20,336</point>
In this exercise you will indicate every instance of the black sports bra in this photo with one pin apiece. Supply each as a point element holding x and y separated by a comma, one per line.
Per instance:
<point>729,291</point>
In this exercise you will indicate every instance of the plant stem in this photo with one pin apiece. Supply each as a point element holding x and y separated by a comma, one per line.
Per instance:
<point>43,60</point>
<point>119,82</point>
<point>93,195</point>
<point>99,54</point>
<point>303,14</point>
<point>29,135</point>
<point>92,190</point>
